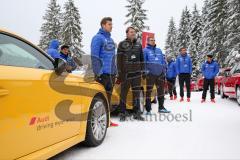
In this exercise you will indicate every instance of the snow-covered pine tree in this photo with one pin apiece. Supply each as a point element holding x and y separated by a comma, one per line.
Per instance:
<point>183,37</point>
<point>171,41</point>
<point>232,43</point>
<point>205,38</point>
<point>71,29</point>
<point>195,36</point>
<point>50,28</point>
<point>217,32</point>
<point>137,16</point>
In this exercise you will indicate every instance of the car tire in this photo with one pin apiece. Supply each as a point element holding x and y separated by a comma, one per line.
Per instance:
<point>97,123</point>
<point>222,93</point>
<point>238,94</point>
<point>217,90</point>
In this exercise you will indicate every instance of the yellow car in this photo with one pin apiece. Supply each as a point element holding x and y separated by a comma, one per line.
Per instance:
<point>45,110</point>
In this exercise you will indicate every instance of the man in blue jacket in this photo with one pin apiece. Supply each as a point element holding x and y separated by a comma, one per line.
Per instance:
<point>155,68</point>
<point>103,57</point>
<point>53,49</point>
<point>171,77</point>
<point>184,70</point>
<point>65,54</point>
<point>209,69</point>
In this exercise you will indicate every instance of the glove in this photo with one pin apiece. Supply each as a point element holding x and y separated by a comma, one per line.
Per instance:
<point>98,78</point>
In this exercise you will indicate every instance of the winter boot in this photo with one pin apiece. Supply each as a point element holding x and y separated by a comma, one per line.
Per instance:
<point>137,116</point>
<point>163,110</point>
<point>123,117</point>
<point>113,124</point>
<point>181,100</point>
<point>213,101</point>
<point>175,97</point>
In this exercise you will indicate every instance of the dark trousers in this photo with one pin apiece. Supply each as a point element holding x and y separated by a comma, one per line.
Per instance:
<point>108,82</point>
<point>206,84</point>
<point>185,79</point>
<point>159,81</point>
<point>133,81</point>
<point>172,87</point>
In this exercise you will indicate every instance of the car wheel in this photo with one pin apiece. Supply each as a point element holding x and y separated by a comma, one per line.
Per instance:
<point>221,92</point>
<point>218,90</point>
<point>97,123</point>
<point>142,101</point>
<point>238,94</point>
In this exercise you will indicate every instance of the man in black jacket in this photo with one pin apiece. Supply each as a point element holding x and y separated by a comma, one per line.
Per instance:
<point>130,66</point>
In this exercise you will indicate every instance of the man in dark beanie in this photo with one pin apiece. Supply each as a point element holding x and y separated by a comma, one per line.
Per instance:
<point>209,69</point>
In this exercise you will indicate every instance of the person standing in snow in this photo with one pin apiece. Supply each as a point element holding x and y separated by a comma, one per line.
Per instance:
<point>210,69</point>
<point>171,77</point>
<point>53,49</point>
<point>130,66</point>
<point>155,69</point>
<point>103,57</point>
<point>184,71</point>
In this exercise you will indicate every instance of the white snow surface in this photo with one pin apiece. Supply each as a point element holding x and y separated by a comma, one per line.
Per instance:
<point>213,133</point>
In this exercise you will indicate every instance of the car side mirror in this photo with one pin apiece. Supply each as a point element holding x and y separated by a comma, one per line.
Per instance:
<point>59,65</point>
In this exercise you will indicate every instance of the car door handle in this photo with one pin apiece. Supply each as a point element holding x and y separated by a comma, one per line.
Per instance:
<point>3,92</point>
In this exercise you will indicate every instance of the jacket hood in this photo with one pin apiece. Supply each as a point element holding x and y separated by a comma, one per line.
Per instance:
<point>211,62</point>
<point>54,44</point>
<point>151,47</point>
<point>170,61</point>
<point>103,32</point>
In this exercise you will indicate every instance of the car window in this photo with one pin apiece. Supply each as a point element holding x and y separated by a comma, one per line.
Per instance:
<point>221,73</point>
<point>233,69</point>
<point>14,52</point>
<point>237,69</point>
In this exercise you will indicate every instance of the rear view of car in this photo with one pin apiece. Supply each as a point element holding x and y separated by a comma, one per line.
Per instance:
<point>219,78</point>
<point>200,84</point>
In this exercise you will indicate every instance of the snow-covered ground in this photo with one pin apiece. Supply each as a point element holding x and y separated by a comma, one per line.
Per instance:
<point>211,132</point>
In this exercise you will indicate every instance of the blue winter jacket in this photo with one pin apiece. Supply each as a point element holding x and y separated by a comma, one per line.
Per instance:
<point>69,60</point>
<point>171,70</point>
<point>53,49</point>
<point>154,60</point>
<point>210,70</point>
<point>184,64</point>
<point>103,53</point>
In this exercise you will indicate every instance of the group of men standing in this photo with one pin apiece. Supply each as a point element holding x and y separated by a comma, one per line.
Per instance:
<point>134,64</point>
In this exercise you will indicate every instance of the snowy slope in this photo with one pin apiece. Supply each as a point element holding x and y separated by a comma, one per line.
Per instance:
<point>213,133</point>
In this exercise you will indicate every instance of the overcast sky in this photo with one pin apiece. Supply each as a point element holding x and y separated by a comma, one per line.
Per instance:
<point>25,16</point>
